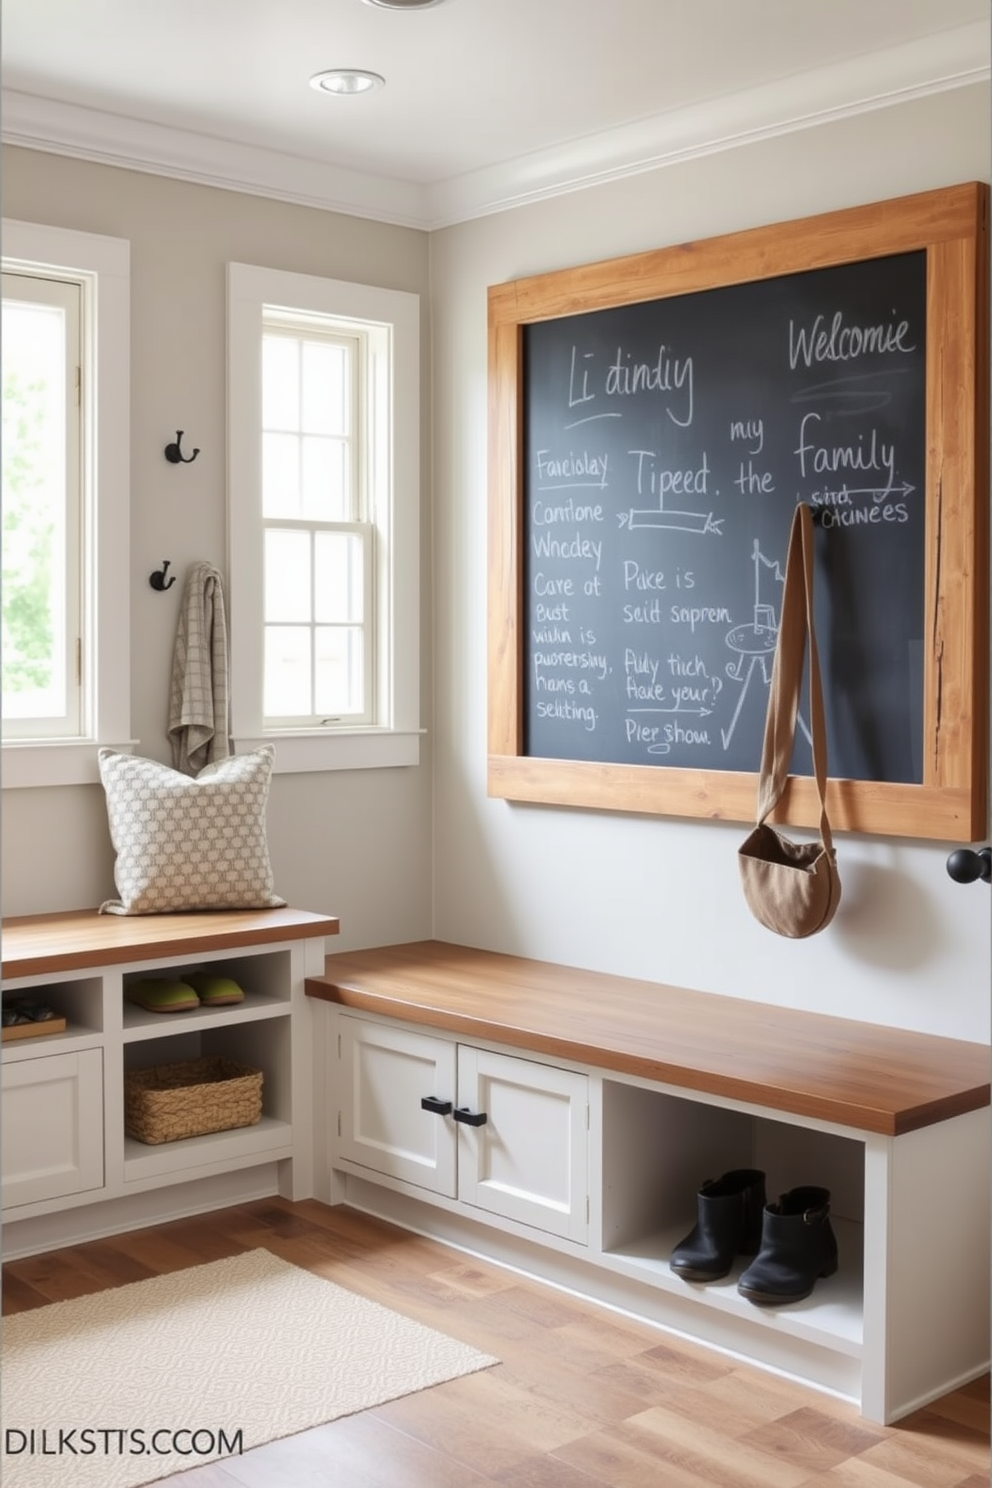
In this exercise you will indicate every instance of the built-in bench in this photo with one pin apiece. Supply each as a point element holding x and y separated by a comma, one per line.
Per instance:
<point>70,1170</point>
<point>674,1087</point>
<point>552,1118</point>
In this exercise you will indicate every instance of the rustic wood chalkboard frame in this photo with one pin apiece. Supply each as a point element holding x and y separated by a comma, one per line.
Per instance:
<point>951,225</point>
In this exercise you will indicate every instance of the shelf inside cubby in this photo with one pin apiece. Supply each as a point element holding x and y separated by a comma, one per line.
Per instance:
<point>269,1138</point>
<point>76,1002</point>
<point>832,1315</point>
<point>139,1023</point>
<point>73,1036</point>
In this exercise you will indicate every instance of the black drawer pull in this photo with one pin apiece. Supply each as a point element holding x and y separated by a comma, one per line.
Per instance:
<point>470,1118</point>
<point>439,1107</point>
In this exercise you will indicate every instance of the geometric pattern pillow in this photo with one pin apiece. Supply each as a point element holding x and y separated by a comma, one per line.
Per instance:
<point>185,843</point>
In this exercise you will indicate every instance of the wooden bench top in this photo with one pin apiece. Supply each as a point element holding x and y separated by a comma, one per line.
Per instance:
<point>37,945</point>
<point>860,1075</point>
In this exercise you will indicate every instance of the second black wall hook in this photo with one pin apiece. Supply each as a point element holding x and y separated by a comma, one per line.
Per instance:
<point>174,452</point>
<point>158,580</point>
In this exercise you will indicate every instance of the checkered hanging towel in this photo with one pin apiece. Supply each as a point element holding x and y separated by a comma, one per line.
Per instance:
<point>199,704</point>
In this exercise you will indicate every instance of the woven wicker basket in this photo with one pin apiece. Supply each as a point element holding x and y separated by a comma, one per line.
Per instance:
<point>171,1101</point>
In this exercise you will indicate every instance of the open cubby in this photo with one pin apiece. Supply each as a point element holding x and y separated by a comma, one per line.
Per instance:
<point>262,1042</point>
<point>264,978</point>
<point>78,1000</point>
<point>657,1151</point>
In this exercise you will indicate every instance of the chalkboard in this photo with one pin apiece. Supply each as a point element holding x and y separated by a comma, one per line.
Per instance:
<point>665,446</point>
<point>652,422</point>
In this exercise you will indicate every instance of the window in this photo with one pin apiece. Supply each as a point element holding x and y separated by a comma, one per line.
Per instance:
<point>324,519</point>
<point>319,621</point>
<point>41,593</point>
<point>65,654</point>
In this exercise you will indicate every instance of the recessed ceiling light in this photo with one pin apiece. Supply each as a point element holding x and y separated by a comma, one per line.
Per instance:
<point>404,4</point>
<point>346,80</point>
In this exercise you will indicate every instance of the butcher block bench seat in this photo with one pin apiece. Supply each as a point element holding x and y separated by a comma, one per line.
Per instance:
<point>860,1075</point>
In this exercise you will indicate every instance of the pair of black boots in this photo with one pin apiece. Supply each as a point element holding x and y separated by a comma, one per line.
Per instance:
<point>792,1241</point>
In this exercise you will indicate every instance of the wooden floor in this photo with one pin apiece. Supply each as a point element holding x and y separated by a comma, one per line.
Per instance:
<point>583,1398</point>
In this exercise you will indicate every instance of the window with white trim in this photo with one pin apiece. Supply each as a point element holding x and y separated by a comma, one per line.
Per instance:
<point>42,619</point>
<point>323,519</point>
<point>65,640</point>
<point>318,581</point>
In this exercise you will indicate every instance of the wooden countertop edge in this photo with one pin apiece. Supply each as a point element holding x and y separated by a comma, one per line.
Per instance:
<point>880,1120</point>
<point>148,937</point>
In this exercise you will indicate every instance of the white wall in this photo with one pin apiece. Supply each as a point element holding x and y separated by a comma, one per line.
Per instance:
<point>356,844</point>
<point>652,897</point>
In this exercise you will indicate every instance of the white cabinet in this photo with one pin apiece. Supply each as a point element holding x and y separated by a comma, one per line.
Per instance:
<point>51,1127</point>
<point>490,1130</point>
<point>385,1075</point>
<point>69,1170</point>
<point>586,1174</point>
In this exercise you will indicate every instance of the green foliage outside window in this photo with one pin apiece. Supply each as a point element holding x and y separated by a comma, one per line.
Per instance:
<point>28,540</point>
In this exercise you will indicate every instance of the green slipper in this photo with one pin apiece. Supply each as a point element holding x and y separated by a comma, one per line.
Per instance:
<point>215,991</point>
<point>160,995</point>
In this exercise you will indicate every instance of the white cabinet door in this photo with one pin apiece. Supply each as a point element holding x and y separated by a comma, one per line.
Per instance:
<point>385,1075</point>
<point>528,1161</point>
<point>52,1127</point>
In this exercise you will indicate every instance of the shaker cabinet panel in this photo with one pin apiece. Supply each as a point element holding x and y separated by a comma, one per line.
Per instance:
<point>52,1127</point>
<point>489,1130</point>
<point>529,1160</point>
<point>385,1075</point>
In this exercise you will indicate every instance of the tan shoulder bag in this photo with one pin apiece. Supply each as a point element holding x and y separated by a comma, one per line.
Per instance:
<point>793,888</point>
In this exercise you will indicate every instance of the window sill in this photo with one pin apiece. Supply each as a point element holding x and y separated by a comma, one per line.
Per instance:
<point>53,762</point>
<point>353,749</point>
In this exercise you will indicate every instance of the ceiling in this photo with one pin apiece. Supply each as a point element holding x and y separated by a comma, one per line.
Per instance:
<point>486,102</point>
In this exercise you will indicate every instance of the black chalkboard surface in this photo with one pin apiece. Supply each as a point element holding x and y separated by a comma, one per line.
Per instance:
<point>664,447</point>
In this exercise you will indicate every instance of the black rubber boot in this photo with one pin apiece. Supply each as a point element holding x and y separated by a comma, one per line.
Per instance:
<point>728,1224</point>
<point>798,1246</point>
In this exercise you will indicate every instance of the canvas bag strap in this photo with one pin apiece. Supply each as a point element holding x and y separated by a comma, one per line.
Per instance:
<point>795,624</point>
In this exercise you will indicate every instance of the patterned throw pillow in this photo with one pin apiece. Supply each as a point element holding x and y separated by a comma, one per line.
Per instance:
<point>185,843</point>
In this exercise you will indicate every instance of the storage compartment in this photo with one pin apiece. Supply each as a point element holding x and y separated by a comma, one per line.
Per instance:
<point>659,1149</point>
<point>52,1127</point>
<point>77,1008</point>
<point>385,1074</point>
<point>169,1102</point>
<point>499,1133</point>
<point>263,1045</point>
<point>528,1160</point>
<point>265,979</point>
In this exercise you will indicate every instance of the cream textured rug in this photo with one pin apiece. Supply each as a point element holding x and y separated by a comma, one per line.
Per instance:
<point>160,1376</point>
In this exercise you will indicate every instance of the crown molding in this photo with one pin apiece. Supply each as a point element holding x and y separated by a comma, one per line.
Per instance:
<point>950,59</point>
<point>113,139</point>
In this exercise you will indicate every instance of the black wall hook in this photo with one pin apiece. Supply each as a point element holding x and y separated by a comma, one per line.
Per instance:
<point>964,866</point>
<point>174,453</point>
<point>158,579</point>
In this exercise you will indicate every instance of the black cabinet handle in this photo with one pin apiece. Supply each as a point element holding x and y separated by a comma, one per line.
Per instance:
<point>470,1118</point>
<point>439,1107</point>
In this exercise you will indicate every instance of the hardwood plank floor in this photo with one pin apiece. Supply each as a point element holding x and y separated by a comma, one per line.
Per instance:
<point>583,1398</point>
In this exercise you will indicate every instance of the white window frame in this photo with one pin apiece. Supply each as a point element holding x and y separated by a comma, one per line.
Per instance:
<point>63,295</point>
<point>102,266</point>
<point>392,318</point>
<point>356,522</point>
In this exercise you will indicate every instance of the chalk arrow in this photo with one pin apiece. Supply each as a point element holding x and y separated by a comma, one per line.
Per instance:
<point>683,712</point>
